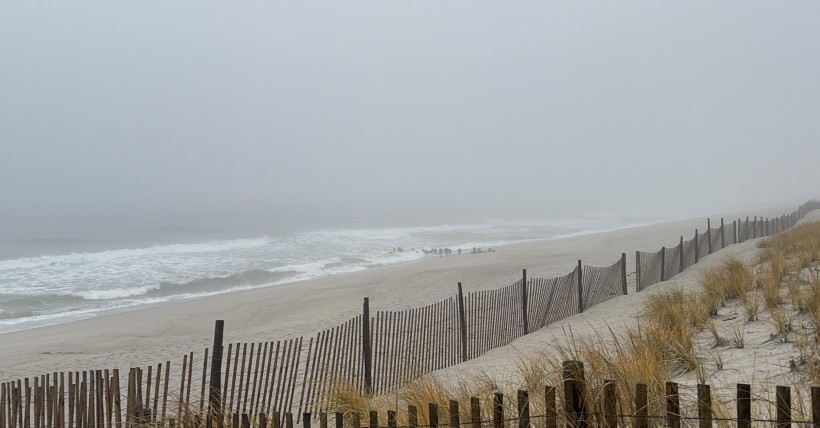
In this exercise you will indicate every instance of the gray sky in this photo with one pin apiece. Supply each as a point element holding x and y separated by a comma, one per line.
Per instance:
<point>141,114</point>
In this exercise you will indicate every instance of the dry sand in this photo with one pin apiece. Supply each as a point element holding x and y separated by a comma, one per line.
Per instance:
<point>150,335</point>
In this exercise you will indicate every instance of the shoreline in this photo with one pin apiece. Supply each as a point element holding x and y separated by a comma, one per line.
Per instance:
<point>89,313</point>
<point>146,335</point>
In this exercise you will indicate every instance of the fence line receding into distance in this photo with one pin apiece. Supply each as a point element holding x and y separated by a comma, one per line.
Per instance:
<point>372,353</point>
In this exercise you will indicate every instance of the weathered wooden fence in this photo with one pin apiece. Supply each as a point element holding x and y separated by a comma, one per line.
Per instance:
<point>577,403</point>
<point>651,268</point>
<point>371,353</point>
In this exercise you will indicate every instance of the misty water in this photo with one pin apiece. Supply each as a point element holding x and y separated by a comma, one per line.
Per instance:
<point>60,287</point>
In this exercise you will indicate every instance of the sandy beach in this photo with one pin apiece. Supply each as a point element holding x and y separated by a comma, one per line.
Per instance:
<point>149,335</point>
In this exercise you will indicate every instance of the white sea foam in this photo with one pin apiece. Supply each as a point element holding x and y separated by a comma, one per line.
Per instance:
<point>130,277</point>
<point>123,254</point>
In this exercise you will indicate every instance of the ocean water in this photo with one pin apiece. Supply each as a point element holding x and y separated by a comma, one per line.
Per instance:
<point>57,288</point>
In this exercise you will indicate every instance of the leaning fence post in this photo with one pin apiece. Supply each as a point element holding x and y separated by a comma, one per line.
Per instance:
<point>623,272</point>
<point>680,255</point>
<point>366,350</point>
<point>432,409</point>
<point>637,271</point>
<point>672,405</point>
<point>744,405</point>
<point>580,288</point>
<point>815,406</point>
<point>462,320</point>
<point>574,400</point>
<point>697,247</point>
<point>524,301</point>
<point>704,406</point>
<point>784,406</point>
<point>214,395</point>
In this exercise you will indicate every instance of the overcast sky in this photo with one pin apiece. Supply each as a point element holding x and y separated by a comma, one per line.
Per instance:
<point>151,113</point>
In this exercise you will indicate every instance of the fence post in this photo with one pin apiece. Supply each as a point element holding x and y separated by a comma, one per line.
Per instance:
<point>550,412</point>
<point>663,264</point>
<point>744,405</point>
<point>475,412</point>
<point>641,406</point>
<point>455,421</point>
<point>784,406</point>
<point>704,406</point>
<point>680,255</point>
<point>373,420</point>
<point>722,234</point>
<point>306,420</point>
<point>709,234</point>
<point>672,405</point>
<point>580,287</point>
<point>432,413</point>
<point>610,405</point>
<point>815,406</point>
<point>754,228</point>
<point>746,229</point>
<point>623,272</point>
<point>366,351</point>
<point>523,410</point>
<point>637,271</point>
<point>574,400</point>
<point>697,247</point>
<point>462,318</point>
<point>498,410</point>
<point>412,417</point>
<point>391,419</point>
<point>524,301</point>
<point>214,395</point>
<point>339,419</point>
<point>734,232</point>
